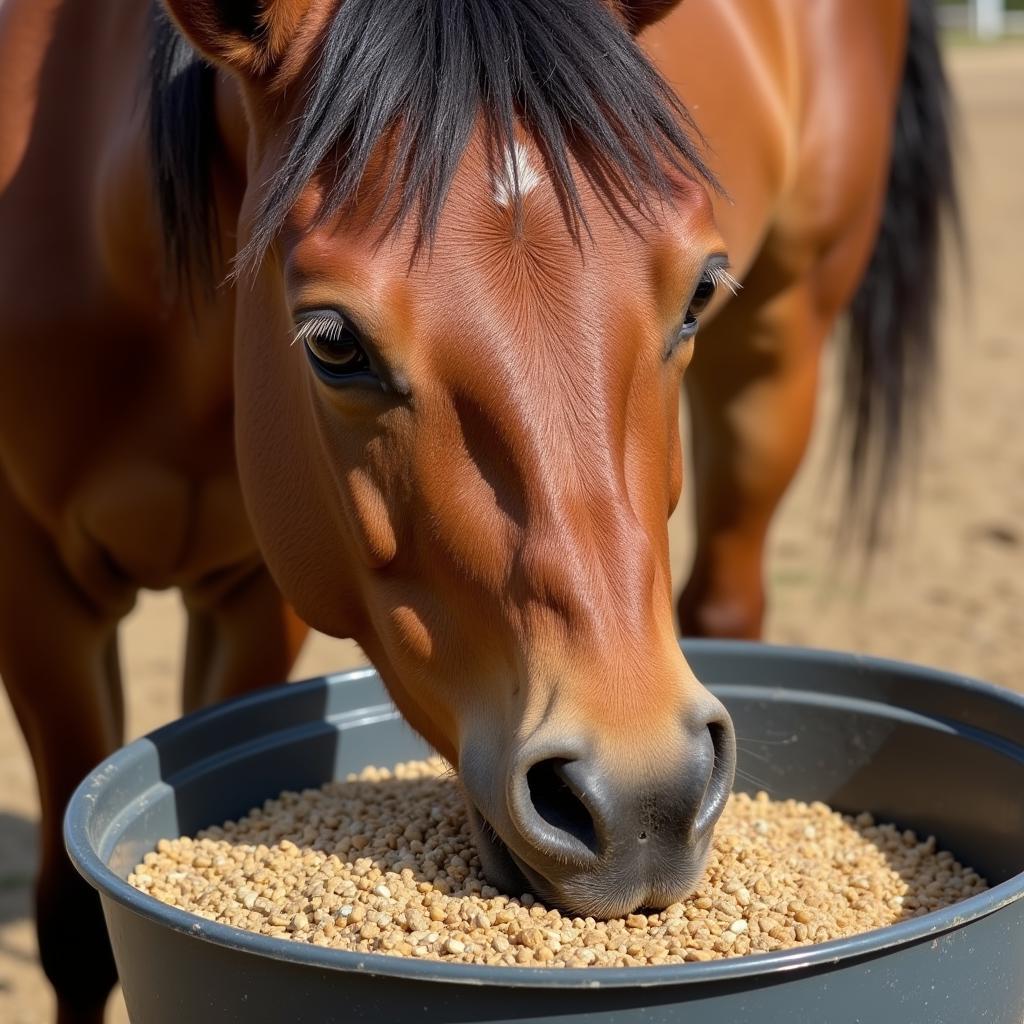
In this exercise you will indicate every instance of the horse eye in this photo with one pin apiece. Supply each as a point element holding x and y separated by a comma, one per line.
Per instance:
<point>702,295</point>
<point>333,347</point>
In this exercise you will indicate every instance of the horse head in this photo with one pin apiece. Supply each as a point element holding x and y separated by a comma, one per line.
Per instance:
<point>475,246</point>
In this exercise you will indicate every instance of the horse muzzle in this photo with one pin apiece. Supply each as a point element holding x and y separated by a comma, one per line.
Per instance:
<point>595,836</point>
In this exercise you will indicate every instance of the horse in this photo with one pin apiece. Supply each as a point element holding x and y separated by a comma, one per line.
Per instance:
<point>380,311</point>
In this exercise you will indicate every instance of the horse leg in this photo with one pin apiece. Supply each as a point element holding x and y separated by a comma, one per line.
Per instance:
<point>58,661</point>
<point>752,388</point>
<point>239,639</point>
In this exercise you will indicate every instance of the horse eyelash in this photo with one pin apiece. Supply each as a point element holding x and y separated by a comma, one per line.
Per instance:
<point>719,273</point>
<point>331,328</point>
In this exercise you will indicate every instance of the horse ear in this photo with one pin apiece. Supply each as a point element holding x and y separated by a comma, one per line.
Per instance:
<point>248,37</point>
<point>640,13</point>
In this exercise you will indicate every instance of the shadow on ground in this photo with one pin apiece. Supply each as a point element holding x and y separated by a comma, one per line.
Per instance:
<point>18,851</point>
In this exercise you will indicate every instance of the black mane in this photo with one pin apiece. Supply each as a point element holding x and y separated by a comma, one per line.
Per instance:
<point>424,74</point>
<point>182,140</point>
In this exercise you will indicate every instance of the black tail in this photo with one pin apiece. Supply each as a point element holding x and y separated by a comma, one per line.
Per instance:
<point>891,361</point>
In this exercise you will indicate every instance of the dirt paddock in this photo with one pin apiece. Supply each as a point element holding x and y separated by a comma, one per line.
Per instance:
<point>949,592</point>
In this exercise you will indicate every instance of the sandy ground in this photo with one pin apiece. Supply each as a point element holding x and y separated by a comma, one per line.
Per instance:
<point>949,593</point>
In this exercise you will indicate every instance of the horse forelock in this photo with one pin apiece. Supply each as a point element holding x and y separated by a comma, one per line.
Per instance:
<point>423,76</point>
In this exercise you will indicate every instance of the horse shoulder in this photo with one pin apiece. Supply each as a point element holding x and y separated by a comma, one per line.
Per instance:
<point>115,392</point>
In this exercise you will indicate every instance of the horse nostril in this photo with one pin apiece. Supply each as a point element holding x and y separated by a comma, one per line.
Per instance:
<point>555,799</point>
<point>723,769</point>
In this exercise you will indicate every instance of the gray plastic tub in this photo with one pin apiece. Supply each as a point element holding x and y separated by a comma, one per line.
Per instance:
<point>930,751</point>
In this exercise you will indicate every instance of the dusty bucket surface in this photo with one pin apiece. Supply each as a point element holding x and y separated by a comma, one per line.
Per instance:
<point>934,752</point>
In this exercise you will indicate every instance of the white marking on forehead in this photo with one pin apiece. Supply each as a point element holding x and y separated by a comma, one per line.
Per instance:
<point>521,170</point>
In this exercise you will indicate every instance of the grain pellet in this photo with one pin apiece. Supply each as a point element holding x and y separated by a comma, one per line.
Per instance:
<point>384,863</point>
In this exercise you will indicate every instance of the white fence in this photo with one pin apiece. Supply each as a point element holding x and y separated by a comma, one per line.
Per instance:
<point>987,19</point>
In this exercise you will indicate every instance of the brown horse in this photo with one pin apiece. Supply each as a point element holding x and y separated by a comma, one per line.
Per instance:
<point>429,274</point>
